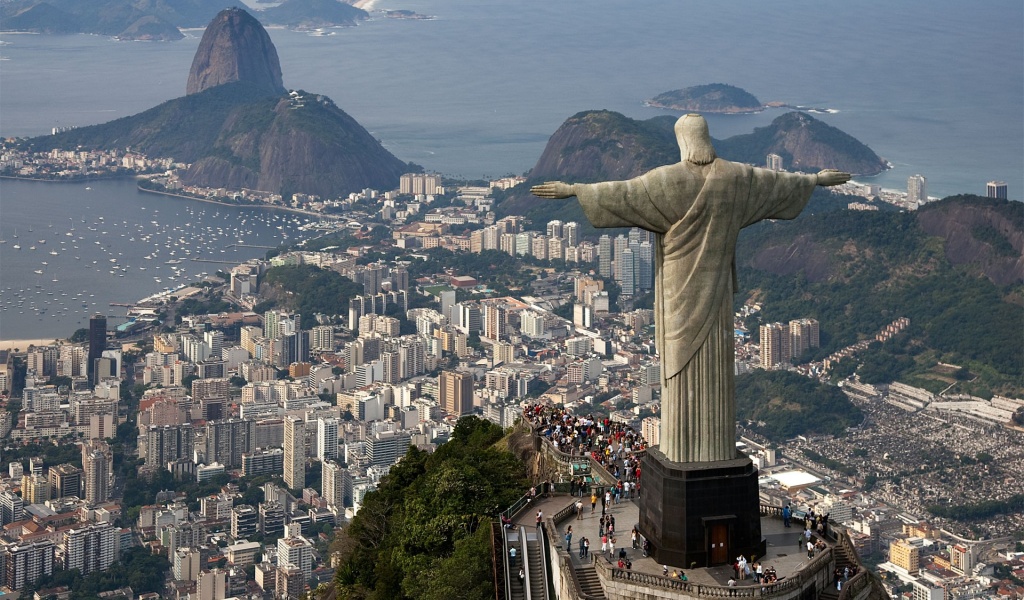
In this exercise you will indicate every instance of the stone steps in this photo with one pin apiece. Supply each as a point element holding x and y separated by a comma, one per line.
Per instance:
<point>590,583</point>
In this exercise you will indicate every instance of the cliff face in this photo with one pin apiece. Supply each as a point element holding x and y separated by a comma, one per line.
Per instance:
<point>314,149</point>
<point>235,47</point>
<point>985,234</point>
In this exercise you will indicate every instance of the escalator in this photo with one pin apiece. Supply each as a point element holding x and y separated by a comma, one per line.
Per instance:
<point>536,572</point>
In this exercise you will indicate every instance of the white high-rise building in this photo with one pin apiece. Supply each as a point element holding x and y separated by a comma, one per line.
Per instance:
<point>295,552</point>
<point>91,548</point>
<point>625,262</point>
<point>326,439</point>
<point>532,324</point>
<point>620,243</point>
<point>337,485</point>
<point>96,463</point>
<point>554,229</point>
<point>996,189</point>
<point>917,189</point>
<point>322,338</point>
<point>604,256</point>
<point>571,233</point>
<point>775,345</point>
<point>295,453</point>
<point>25,563</point>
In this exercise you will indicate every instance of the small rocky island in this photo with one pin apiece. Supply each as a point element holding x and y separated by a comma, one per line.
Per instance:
<point>710,98</point>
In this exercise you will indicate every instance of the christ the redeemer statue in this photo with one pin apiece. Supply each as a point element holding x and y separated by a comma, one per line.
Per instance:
<point>697,208</point>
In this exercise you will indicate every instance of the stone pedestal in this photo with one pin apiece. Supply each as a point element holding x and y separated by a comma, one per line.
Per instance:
<point>704,513</point>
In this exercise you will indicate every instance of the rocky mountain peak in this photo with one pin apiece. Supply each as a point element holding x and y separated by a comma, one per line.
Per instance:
<point>235,47</point>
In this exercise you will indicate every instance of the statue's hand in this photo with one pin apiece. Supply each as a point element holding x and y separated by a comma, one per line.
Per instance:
<point>828,177</point>
<point>553,190</point>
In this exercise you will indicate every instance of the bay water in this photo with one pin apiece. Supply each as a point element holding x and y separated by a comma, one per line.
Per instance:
<point>935,87</point>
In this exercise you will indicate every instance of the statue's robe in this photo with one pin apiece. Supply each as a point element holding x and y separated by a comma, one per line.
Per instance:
<point>697,213</point>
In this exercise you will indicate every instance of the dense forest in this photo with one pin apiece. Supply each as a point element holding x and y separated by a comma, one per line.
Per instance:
<point>781,405</point>
<point>425,532</point>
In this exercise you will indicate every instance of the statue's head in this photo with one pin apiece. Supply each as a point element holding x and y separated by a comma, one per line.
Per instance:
<point>694,140</point>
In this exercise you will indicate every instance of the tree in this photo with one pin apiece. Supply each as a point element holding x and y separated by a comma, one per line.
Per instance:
<point>429,517</point>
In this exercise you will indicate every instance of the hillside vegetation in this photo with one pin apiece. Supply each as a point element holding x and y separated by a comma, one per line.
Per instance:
<point>425,533</point>
<point>858,271</point>
<point>311,290</point>
<point>781,405</point>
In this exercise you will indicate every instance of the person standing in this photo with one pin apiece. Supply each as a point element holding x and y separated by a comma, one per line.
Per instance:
<point>512,557</point>
<point>568,537</point>
<point>579,510</point>
<point>786,515</point>
<point>593,502</point>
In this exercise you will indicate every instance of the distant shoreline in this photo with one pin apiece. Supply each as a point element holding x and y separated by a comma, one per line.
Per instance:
<point>260,206</point>
<point>76,180</point>
<point>22,345</point>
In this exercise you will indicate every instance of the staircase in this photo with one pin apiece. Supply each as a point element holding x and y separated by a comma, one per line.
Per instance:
<point>589,582</point>
<point>843,559</point>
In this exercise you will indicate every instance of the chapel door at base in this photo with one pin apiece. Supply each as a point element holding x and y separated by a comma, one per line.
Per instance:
<point>719,543</point>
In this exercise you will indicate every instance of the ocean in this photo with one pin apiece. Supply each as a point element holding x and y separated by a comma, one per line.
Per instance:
<point>69,250</point>
<point>936,87</point>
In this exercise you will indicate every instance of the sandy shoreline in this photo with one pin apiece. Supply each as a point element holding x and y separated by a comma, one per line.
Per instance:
<point>22,345</point>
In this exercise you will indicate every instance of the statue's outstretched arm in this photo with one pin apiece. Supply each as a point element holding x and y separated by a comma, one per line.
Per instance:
<point>830,177</point>
<point>553,190</point>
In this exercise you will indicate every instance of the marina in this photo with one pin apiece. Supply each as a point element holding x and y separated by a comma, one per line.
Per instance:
<point>114,249</point>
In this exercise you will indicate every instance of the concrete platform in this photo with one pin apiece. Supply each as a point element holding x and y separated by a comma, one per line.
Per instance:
<point>783,552</point>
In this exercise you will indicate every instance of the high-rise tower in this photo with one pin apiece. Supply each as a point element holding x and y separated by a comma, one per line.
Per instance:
<point>295,453</point>
<point>97,342</point>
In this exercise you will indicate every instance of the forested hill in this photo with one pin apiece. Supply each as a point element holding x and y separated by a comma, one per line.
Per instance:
<point>954,268</point>
<point>425,533</point>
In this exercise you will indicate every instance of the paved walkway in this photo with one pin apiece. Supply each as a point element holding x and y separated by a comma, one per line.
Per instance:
<point>783,552</point>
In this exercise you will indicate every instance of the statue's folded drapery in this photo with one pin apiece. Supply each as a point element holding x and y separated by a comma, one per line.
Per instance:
<point>697,212</point>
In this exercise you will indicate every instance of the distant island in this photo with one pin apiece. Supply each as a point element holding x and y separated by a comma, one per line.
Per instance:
<point>709,98</point>
<point>721,98</point>
<point>406,14</point>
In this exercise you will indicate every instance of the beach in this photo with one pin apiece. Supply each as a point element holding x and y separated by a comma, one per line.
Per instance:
<point>22,345</point>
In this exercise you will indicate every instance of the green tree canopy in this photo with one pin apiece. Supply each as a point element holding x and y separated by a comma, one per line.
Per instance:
<point>424,533</point>
<point>781,405</point>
